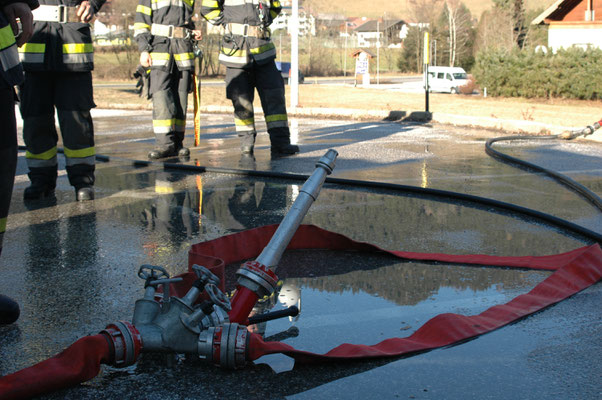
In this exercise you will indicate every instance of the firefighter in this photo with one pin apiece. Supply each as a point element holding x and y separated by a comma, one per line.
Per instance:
<point>248,54</point>
<point>58,61</point>
<point>11,73</point>
<point>165,32</point>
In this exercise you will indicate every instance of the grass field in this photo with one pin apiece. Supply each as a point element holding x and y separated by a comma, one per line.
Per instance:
<point>555,112</point>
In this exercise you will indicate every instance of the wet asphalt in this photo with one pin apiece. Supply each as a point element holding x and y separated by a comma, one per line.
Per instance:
<point>72,266</point>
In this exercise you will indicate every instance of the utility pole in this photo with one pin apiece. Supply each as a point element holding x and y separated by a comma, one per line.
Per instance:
<point>293,78</point>
<point>426,71</point>
<point>378,51</point>
<point>345,53</point>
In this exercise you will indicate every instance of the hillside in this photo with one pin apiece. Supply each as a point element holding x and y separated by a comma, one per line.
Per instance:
<point>400,8</point>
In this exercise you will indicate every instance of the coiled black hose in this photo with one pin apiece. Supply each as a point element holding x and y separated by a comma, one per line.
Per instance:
<point>587,194</point>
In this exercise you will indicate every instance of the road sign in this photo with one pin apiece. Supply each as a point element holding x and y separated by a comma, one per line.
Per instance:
<point>361,67</point>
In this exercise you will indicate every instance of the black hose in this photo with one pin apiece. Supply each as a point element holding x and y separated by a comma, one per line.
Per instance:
<point>444,194</point>
<point>438,193</point>
<point>587,194</point>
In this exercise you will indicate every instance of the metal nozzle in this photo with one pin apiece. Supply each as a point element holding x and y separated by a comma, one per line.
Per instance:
<point>271,254</point>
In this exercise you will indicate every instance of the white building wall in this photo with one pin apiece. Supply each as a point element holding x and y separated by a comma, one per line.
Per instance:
<point>307,23</point>
<point>368,39</point>
<point>564,36</point>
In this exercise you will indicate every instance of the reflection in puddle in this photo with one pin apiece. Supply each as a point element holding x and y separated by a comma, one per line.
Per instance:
<point>366,298</point>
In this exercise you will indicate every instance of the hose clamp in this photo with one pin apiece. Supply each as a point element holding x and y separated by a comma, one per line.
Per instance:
<point>126,341</point>
<point>225,346</point>
<point>257,278</point>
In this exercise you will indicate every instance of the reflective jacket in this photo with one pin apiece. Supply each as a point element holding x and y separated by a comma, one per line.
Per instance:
<point>11,71</point>
<point>57,46</point>
<point>239,49</point>
<point>10,68</point>
<point>163,49</point>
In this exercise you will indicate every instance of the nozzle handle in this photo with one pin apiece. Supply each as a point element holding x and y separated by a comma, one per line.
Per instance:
<point>292,311</point>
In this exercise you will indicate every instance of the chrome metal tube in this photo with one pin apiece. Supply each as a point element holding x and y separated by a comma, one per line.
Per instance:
<point>271,254</point>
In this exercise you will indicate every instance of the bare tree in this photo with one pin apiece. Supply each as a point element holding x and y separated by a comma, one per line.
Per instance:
<point>425,11</point>
<point>503,26</point>
<point>114,12</point>
<point>495,30</point>
<point>459,26</point>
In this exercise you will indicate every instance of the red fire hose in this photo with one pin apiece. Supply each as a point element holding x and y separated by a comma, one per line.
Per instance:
<point>76,364</point>
<point>574,271</point>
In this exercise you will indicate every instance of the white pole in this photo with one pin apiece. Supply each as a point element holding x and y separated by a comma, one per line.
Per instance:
<point>294,75</point>
<point>345,53</point>
<point>377,52</point>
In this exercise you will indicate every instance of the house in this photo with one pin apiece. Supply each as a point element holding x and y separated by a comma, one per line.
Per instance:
<point>388,33</point>
<point>573,23</point>
<point>307,22</point>
<point>330,24</point>
<point>112,35</point>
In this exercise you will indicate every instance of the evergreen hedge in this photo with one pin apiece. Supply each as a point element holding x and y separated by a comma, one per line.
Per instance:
<point>569,73</point>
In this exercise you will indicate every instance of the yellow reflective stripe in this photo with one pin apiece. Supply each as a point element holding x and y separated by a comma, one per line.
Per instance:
<point>263,49</point>
<point>163,122</point>
<point>273,13</point>
<point>160,56</point>
<point>244,122</point>
<point>183,56</point>
<point>210,4</point>
<point>275,117</point>
<point>189,2</point>
<point>33,48</point>
<point>3,222</point>
<point>143,10</point>
<point>164,189</point>
<point>81,153</point>
<point>180,122</point>
<point>77,48</point>
<point>7,38</point>
<point>213,14</point>
<point>141,25</point>
<point>47,155</point>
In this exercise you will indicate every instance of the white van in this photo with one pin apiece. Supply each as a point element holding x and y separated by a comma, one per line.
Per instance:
<point>446,79</point>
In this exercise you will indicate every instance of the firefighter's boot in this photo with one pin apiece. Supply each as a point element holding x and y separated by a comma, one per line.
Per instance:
<point>43,182</point>
<point>159,153</point>
<point>170,151</point>
<point>284,150</point>
<point>81,177</point>
<point>9,310</point>
<point>183,152</point>
<point>84,193</point>
<point>280,139</point>
<point>247,143</point>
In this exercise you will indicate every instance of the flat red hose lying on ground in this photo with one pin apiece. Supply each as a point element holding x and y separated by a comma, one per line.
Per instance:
<point>574,271</point>
<point>77,363</point>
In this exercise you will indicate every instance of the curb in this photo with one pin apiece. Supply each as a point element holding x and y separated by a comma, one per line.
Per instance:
<point>504,125</point>
<point>511,126</point>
